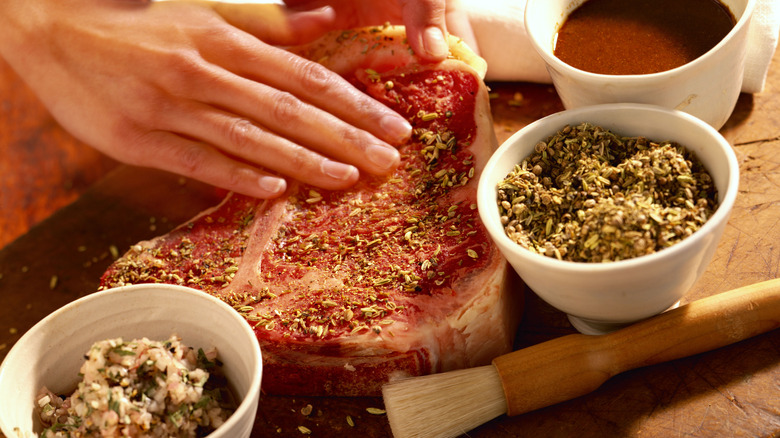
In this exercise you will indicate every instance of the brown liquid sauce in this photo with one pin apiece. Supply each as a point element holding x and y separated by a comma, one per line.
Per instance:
<point>619,37</point>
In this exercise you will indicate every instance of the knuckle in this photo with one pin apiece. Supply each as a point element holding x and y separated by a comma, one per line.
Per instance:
<point>240,134</point>
<point>192,158</point>
<point>129,142</point>
<point>134,155</point>
<point>351,138</point>
<point>316,78</point>
<point>183,69</point>
<point>150,108</point>
<point>286,108</point>
<point>369,107</point>
<point>298,158</point>
<point>236,179</point>
<point>184,60</point>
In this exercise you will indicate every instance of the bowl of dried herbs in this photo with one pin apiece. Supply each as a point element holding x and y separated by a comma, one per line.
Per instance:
<point>610,212</point>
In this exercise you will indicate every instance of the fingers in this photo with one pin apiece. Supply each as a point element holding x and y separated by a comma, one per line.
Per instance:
<point>229,151</point>
<point>458,24</point>
<point>276,131</point>
<point>275,24</point>
<point>199,161</point>
<point>255,145</point>
<point>426,28</point>
<point>271,109</point>
<point>289,117</point>
<point>311,84</point>
<point>427,22</point>
<point>238,105</point>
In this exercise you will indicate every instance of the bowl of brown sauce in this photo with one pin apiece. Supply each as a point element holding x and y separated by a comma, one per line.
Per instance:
<point>683,54</point>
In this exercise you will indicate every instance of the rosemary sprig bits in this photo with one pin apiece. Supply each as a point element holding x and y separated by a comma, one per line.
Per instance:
<point>587,194</point>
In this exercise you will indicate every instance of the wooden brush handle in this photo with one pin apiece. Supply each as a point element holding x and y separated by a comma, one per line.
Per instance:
<point>574,365</point>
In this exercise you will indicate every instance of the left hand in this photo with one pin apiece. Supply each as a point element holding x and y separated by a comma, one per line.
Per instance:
<point>426,21</point>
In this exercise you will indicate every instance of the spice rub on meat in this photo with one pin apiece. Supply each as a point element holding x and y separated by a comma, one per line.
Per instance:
<point>393,277</point>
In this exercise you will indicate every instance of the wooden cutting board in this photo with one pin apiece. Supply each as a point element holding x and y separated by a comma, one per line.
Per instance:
<point>730,392</point>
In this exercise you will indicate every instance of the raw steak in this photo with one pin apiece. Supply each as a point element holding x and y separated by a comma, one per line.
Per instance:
<point>393,277</point>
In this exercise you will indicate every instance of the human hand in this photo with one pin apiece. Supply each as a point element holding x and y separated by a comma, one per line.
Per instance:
<point>426,21</point>
<point>172,85</point>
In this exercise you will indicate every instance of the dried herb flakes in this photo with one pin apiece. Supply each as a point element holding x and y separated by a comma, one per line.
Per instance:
<point>587,194</point>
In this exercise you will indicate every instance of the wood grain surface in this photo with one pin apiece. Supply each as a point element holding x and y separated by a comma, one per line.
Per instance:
<point>66,209</point>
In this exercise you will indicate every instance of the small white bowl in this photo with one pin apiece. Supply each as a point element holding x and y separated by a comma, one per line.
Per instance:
<point>707,87</point>
<point>601,297</point>
<point>51,352</point>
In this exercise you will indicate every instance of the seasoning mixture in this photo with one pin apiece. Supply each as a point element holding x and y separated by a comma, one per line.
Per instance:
<point>141,388</point>
<point>621,37</point>
<point>589,195</point>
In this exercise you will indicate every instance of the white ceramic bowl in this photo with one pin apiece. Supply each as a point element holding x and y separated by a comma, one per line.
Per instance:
<point>707,87</point>
<point>51,353</point>
<point>601,297</point>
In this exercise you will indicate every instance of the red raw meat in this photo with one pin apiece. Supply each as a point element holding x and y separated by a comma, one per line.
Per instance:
<point>394,277</point>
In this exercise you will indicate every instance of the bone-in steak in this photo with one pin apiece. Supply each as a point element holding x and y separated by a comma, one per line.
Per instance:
<point>393,277</point>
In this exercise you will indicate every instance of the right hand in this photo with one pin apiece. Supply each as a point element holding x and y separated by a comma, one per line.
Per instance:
<point>172,85</point>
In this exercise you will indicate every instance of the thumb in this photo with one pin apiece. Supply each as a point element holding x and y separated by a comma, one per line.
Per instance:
<point>426,28</point>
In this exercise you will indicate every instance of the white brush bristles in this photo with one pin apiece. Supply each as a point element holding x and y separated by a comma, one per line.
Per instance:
<point>444,405</point>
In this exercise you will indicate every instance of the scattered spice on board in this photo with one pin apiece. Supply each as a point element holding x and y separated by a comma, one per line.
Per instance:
<point>114,252</point>
<point>587,194</point>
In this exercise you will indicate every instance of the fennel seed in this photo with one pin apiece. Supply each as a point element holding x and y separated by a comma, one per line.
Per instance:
<point>587,194</point>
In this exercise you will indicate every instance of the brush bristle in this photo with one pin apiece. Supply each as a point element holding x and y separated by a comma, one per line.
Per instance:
<point>444,405</point>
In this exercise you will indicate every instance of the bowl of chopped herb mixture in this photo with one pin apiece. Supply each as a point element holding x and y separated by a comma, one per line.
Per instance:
<point>140,361</point>
<point>610,213</point>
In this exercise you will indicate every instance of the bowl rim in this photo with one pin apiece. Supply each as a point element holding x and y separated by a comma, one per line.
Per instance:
<point>553,61</point>
<point>486,190</point>
<point>253,390</point>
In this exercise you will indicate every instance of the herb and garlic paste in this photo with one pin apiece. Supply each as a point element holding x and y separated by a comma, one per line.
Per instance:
<point>140,388</point>
<point>587,194</point>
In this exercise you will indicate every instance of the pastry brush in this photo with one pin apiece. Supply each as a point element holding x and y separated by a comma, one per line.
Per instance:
<point>452,403</point>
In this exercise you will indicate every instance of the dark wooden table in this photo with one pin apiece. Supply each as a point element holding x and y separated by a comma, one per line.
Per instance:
<point>65,208</point>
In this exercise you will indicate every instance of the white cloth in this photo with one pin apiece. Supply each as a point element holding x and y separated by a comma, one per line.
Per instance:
<point>503,42</point>
<point>762,42</point>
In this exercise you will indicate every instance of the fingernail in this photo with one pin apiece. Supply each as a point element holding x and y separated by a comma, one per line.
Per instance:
<point>326,11</point>
<point>396,128</point>
<point>384,157</point>
<point>434,43</point>
<point>339,171</point>
<point>272,184</point>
